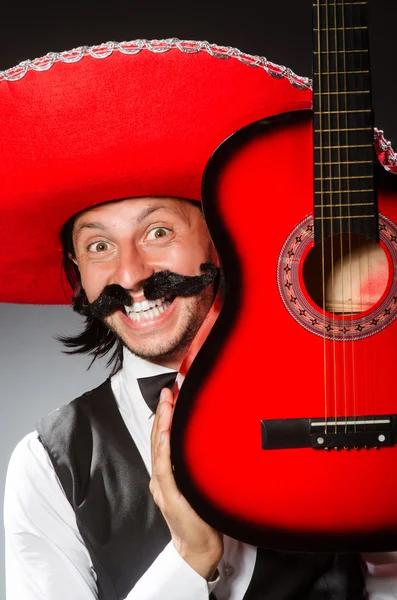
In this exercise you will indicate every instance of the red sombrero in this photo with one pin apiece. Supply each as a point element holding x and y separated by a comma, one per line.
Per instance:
<point>115,121</point>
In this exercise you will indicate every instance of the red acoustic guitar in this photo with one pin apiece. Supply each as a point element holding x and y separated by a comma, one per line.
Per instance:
<point>285,429</point>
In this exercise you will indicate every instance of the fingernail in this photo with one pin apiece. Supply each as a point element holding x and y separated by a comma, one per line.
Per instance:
<point>163,395</point>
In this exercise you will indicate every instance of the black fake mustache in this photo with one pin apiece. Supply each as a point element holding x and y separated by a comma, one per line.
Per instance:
<point>158,285</point>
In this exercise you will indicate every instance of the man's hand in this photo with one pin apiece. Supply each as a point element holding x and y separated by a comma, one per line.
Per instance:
<point>200,545</point>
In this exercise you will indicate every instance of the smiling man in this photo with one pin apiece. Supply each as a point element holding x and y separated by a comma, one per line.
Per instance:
<point>107,147</point>
<point>126,243</point>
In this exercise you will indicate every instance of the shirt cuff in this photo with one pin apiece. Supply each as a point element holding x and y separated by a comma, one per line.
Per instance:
<point>170,576</point>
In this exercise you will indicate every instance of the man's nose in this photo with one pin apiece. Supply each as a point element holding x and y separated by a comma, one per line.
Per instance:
<point>131,268</point>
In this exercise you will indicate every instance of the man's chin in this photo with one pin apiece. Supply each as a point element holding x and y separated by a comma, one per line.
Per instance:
<point>170,354</point>
<point>173,354</point>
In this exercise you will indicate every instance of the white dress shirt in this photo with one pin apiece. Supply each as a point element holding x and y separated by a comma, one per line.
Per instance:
<point>46,558</point>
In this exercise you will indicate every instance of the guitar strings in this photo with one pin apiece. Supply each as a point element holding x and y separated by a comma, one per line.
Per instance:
<point>363,270</point>
<point>341,233</point>
<point>353,370</point>
<point>371,408</point>
<point>320,109</point>
<point>349,284</point>
<point>331,193</point>
<point>353,378</point>
<point>371,341</point>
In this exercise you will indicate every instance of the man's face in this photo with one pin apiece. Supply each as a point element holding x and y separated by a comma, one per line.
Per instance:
<point>126,242</point>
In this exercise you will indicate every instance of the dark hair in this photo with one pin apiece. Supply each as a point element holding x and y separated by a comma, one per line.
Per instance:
<point>96,339</point>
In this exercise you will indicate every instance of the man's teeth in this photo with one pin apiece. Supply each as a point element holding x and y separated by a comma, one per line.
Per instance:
<point>148,309</point>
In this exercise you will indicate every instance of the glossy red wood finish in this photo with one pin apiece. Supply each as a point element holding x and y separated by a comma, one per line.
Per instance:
<point>271,367</point>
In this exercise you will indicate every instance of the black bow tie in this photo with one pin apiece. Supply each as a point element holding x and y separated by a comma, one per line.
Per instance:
<point>151,387</point>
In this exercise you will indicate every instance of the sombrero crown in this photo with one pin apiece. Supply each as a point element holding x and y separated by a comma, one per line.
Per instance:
<point>116,121</point>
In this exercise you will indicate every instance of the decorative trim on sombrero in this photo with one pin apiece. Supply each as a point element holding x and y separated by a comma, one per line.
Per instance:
<point>384,150</point>
<point>159,46</point>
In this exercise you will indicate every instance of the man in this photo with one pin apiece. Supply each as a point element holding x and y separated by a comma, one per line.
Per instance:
<point>113,151</point>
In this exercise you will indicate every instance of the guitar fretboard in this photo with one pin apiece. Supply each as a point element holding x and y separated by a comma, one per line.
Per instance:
<point>345,198</point>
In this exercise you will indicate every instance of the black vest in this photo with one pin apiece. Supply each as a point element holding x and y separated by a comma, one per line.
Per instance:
<point>107,485</point>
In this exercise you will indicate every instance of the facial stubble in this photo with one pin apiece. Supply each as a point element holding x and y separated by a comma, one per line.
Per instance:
<point>173,348</point>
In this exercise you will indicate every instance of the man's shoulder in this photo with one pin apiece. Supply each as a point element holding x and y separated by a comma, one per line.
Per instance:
<point>30,445</point>
<point>75,407</point>
<point>27,445</point>
<point>27,458</point>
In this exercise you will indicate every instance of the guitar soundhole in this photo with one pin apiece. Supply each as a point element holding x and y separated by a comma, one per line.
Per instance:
<point>346,275</point>
<point>343,289</point>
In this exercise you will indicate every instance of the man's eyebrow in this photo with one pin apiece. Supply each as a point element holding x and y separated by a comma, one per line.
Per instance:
<point>151,209</point>
<point>89,225</point>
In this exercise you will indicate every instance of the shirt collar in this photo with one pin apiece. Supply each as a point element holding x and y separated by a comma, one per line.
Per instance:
<point>135,367</point>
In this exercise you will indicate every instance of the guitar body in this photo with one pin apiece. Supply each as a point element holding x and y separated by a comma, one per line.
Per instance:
<point>273,356</point>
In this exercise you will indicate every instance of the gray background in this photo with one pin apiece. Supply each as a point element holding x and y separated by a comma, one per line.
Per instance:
<point>35,377</point>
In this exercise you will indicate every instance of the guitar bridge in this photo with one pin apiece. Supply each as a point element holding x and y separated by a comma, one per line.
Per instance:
<point>339,433</point>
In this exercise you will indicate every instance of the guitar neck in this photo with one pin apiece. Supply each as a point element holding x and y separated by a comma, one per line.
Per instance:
<point>345,198</point>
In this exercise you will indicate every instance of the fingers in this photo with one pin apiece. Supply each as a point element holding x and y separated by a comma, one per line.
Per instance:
<point>167,493</point>
<point>162,418</point>
<point>162,482</point>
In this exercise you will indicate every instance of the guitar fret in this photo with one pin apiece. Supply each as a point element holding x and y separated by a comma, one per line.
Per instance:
<point>343,192</point>
<point>343,177</point>
<point>340,72</point>
<point>344,129</point>
<point>348,146</point>
<point>344,93</point>
<point>341,103</point>
<point>345,45</point>
<point>344,61</point>
<point>316,5</point>
<point>339,51</point>
<point>348,162</point>
<point>343,205</point>
<point>340,28</point>
<point>347,217</point>
<point>334,112</point>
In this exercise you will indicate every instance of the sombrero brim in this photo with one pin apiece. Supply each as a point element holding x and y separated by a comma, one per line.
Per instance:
<point>116,121</point>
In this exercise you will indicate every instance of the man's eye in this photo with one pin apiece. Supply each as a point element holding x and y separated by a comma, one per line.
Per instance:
<point>98,247</point>
<point>158,232</point>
